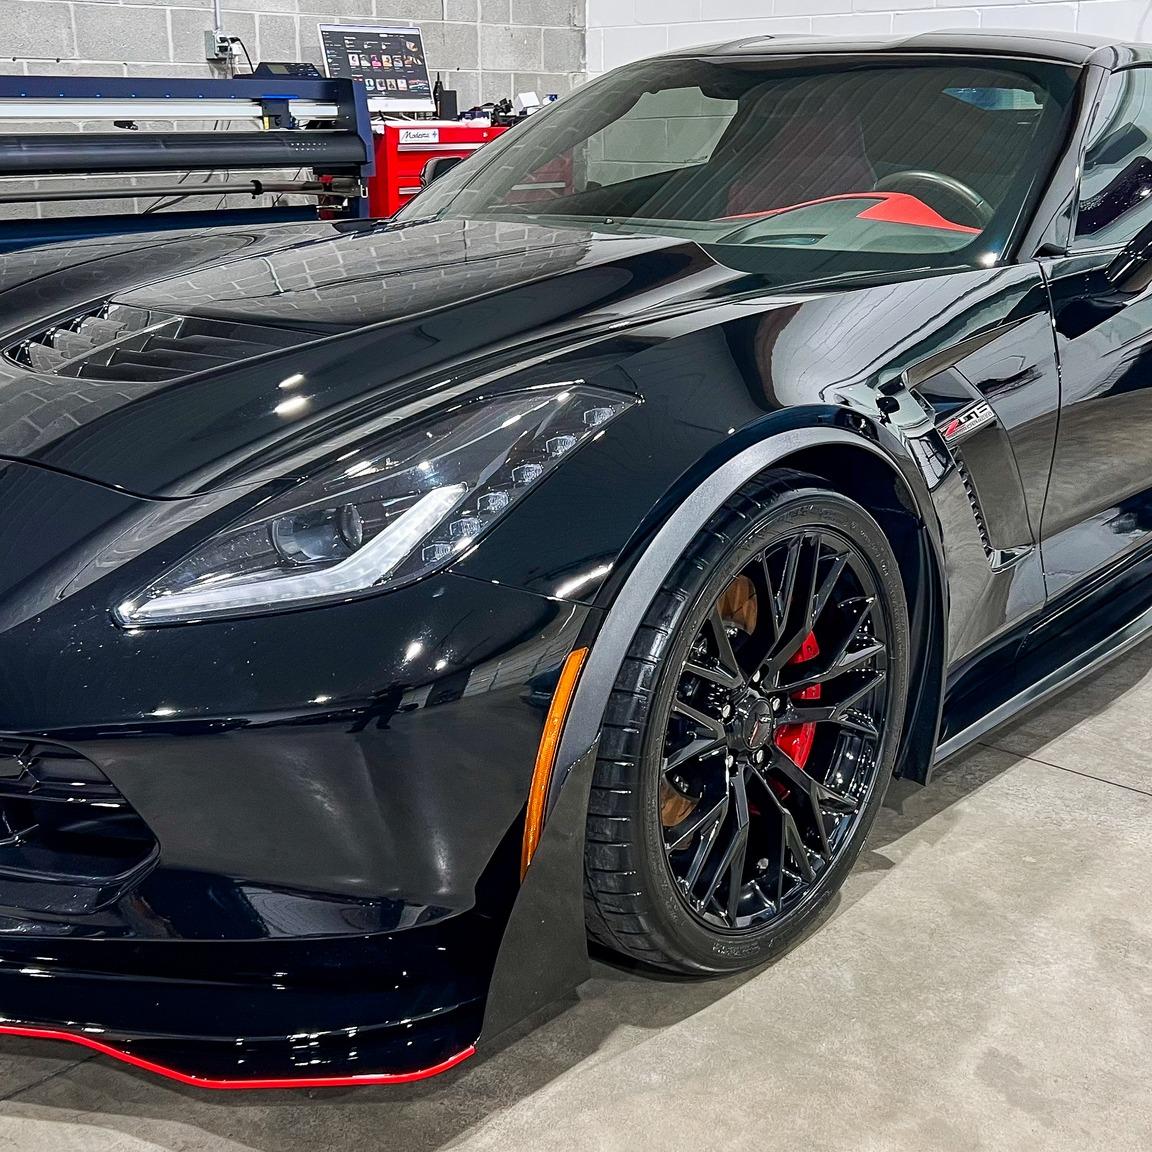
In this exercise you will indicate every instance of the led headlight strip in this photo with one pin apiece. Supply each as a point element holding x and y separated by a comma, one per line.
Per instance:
<point>360,570</point>
<point>382,515</point>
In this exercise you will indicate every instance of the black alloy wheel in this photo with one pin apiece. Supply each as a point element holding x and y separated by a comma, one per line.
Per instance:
<point>751,733</point>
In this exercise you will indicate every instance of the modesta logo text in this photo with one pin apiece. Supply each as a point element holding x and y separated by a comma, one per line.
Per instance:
<point>419,135</point>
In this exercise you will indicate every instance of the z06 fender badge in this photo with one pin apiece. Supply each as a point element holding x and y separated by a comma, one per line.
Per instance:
<point>967,421</point>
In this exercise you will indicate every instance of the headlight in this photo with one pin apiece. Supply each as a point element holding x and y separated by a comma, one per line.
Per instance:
<point>381,516</point>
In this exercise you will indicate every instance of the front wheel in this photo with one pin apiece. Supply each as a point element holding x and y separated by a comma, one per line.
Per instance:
<point>751,732</point>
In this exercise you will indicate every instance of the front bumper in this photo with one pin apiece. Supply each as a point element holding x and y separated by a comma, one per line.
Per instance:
<point>380,1009</point>
<point>289,846</point>
<point>127,1056</point>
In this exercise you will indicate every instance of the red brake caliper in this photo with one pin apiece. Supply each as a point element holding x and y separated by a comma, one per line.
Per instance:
<point>795,740</point>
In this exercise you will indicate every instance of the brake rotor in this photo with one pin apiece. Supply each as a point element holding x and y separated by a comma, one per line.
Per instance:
<point>738,605</point>
<point>674,804</point>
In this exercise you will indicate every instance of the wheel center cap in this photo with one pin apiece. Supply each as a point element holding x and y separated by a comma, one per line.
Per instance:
<point>753,722</point>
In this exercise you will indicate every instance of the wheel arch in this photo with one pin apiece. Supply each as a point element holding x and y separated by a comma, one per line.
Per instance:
<point>854,455</point>
<point>544,954</point>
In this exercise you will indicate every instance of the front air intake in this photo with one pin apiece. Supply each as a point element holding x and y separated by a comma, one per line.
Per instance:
<point>70,843</point>
<point>126,343</point>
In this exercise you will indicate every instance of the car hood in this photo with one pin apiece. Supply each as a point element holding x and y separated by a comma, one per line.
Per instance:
<point>371,275</point>
<point>359,317</point>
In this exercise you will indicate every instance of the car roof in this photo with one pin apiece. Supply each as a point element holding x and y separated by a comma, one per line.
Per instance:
<point>1061,47</point>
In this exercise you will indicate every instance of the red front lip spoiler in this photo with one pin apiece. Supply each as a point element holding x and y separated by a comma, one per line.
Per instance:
<point>203,1082</point>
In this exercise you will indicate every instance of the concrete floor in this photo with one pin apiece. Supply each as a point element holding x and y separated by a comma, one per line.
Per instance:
<point>984,982</point>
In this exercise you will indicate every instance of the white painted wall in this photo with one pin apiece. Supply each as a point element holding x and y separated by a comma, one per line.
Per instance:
<point>623,30</point>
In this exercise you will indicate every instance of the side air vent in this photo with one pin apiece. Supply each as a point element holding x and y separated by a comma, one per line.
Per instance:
<point>974,502</point>
<point>122,342</point>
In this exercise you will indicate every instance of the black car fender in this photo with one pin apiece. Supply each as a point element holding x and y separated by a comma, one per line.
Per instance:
<point>762,445</point>
<point>543,955</point>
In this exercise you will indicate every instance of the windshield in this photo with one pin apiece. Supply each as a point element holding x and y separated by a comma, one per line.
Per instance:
<point>794,171</point>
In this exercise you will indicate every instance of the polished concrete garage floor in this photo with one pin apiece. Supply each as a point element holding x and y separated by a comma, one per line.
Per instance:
<point>984,982</point>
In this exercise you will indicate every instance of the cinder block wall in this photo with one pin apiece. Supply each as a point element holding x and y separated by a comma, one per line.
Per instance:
<point>491,47</point>
<point>624,30</point>
<point>486,49</point>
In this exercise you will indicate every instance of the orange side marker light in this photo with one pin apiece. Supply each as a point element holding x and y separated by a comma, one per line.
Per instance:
<point>546,754</point>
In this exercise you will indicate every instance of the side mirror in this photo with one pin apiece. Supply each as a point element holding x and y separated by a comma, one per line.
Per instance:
<point>1131,271</point>
<point>437,167</point>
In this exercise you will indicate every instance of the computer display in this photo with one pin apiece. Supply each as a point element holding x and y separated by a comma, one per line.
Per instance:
<point>390,62</point>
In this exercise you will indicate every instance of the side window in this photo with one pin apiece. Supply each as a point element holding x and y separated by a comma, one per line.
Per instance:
<point>1116,185</point>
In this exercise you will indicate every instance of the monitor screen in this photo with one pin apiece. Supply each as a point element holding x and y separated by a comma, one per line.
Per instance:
<point>390,62</point>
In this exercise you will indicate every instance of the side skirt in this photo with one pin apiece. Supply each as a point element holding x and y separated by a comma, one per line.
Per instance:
<point>1075,636</point>
<point>1080,666</point>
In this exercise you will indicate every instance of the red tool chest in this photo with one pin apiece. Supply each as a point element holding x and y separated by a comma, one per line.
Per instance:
<point>403,147</point>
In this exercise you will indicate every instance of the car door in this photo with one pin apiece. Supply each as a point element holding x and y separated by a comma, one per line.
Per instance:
<point>1098,512</point>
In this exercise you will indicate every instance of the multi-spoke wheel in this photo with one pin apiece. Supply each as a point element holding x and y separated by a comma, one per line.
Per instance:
<point>752,732</point>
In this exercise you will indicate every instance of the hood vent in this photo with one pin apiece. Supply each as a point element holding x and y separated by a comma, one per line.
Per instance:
<point>122,342</point>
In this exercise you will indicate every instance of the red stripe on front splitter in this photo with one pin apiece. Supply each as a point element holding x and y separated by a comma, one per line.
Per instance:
<point>202,1082</point>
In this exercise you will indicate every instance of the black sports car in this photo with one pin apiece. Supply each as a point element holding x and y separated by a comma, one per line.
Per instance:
<point>385,608</point>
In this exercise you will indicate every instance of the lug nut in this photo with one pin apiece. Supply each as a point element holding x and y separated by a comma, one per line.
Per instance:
<point>777,703</point>
<point>726,711</point>
<point>759,755</point>
<point>762,865</point>
<point>756,677</point>
<point>729,760</point>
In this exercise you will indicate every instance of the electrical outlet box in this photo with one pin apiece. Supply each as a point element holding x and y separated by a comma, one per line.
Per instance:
<point>217,46</point>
